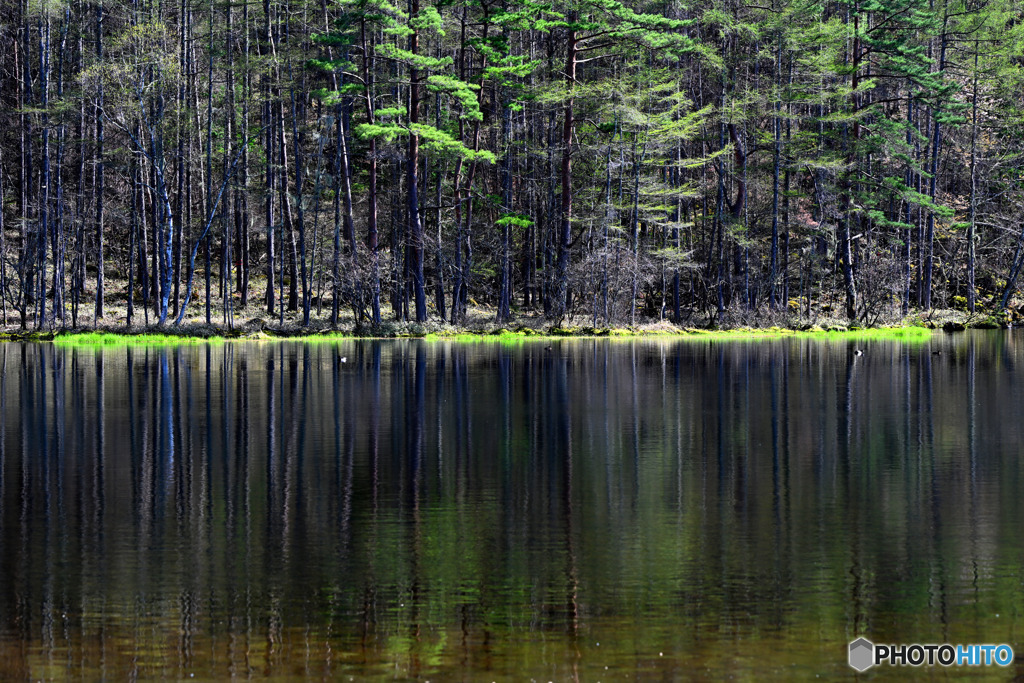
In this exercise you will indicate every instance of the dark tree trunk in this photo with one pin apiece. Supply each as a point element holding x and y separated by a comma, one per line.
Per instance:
<point>297,143</point>
<point>929,266</point>
<point>773,255</point>
<point>971,303</point>
<point>44,180</point>
<point>560,301</point>
<point>99,170</point>
<point>415,250</point>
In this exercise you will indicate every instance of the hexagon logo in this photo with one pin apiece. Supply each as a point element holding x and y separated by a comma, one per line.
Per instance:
<point>862,654</point>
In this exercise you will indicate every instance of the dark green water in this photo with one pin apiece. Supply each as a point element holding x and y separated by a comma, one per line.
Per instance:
<point>603,510</point>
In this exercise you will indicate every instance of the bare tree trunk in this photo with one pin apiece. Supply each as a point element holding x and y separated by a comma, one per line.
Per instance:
<point>930,233</point>
<point>268,122</point>
<point>44,203</point>
<point>415,250</point>
<point>505,283</point>
<point>908,238</point>
<point>845,251</point>
<point>288,225</point>
<point>971,303</point>
<point>58,240</point>
<point>209,159</point>
<point>346,191</point>
<point>560,303</point>
<point>230,130</point>
<point>297,143</point>
<point>99,170</point>
<point>139,190</point>
<point>773,255</point>
<point>269,205</point>
<point>133,226</point>
<point>242,194</point>
<point>3,246</point>
<point>371,190</point>
<point>184,15</point>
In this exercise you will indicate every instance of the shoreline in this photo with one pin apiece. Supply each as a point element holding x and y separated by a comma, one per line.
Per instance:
<point>215,334</point>
<point>480,327</point>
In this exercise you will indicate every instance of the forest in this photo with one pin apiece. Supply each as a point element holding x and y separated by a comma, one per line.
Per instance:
<point>324,161</point>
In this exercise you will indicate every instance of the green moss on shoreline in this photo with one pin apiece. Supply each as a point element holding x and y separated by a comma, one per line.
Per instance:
<point>501,336</point>
<point>110,339</point>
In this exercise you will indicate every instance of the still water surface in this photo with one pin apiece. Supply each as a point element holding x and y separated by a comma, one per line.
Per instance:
<point>599,510</point>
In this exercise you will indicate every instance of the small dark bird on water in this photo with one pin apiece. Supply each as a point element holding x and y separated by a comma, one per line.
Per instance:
<point>937,353</point>
<point>858,352</point>
<point>548,348</point>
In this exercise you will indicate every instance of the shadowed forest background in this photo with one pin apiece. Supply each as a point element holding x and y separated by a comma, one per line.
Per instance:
<point>616,162</point>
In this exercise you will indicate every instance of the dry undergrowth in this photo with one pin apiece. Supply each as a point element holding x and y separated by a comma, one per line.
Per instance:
<point>254,320</point>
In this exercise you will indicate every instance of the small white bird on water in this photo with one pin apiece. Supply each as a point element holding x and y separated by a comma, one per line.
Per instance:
<point>858,352</point>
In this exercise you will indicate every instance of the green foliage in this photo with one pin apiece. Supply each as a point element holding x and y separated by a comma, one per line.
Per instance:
<point>388,132</point>
<point>438,142</point>
<point>514,220</point>
<point>464,93</point>
<point>418,61</point>
<point>427,18</point>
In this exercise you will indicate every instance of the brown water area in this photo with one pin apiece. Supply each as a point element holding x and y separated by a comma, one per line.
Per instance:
<point>571,510</point>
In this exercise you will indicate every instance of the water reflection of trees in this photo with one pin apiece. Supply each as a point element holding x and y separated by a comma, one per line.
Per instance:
<point>243,507</point>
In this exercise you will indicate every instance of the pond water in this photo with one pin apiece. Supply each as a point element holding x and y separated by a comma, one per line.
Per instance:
<point>589,510</point>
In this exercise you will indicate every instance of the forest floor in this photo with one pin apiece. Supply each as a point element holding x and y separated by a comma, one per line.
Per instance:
<point>254,322</point>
